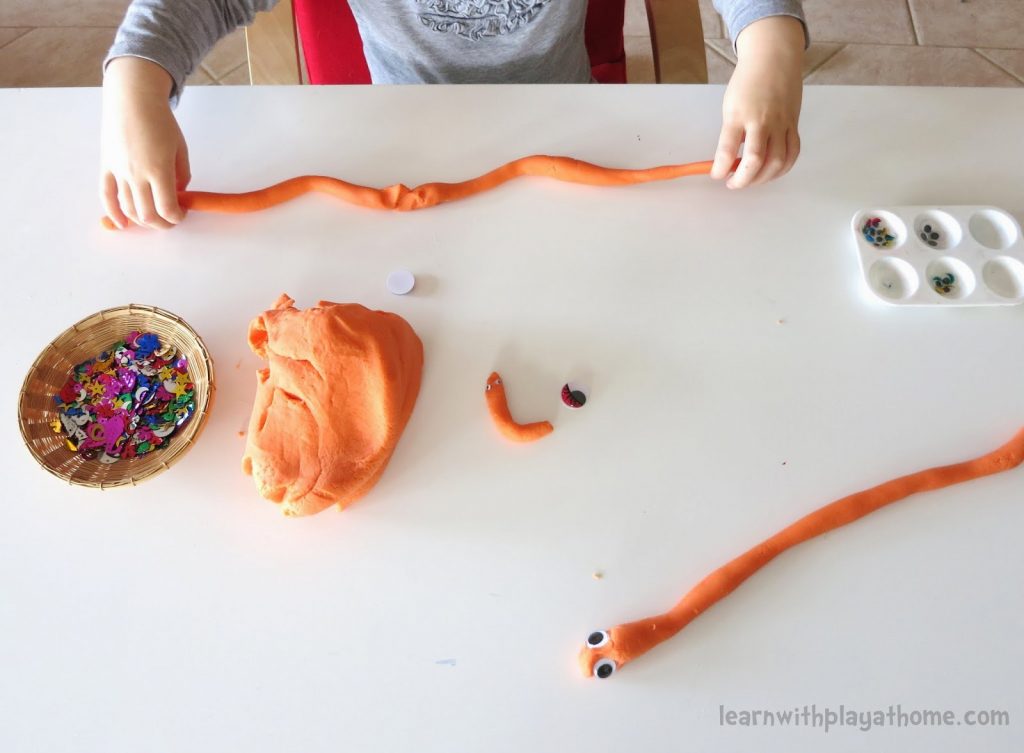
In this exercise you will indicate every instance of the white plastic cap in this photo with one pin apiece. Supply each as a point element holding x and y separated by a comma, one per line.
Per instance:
<point>401,281</point>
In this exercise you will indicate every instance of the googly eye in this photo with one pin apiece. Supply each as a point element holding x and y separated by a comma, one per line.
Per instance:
<point>597,639</point>
<point>574,395</point>
<point>604,669</point>
<point>497,381</point>
<point>487,388</point>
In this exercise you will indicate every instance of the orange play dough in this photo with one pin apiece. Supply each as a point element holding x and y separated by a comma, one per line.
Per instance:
<point>404,199</point>
<point>497,405</point>
<point>339,387</point>
<point>622,644</point>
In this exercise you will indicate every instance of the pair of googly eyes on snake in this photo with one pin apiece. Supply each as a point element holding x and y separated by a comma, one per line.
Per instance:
<point>496,383</point>
<point>606,667</point>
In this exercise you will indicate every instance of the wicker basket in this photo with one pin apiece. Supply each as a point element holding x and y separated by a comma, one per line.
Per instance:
<point>91,336</point>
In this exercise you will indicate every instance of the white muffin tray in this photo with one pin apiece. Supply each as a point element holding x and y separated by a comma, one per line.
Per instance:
<point>941,256</point>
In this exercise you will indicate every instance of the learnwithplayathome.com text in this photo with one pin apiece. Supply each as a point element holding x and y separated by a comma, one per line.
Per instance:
<point>865,720</point>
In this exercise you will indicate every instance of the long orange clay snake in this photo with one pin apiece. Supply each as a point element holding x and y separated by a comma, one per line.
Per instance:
<point>497,404</point>
<point>404,199</point>
<point>607,650</point>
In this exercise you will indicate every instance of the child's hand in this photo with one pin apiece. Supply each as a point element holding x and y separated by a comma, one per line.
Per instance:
<point>762,103</point>
<point>145,159</point>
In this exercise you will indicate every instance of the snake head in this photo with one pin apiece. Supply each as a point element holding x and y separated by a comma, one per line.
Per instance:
<point>493,382</point>
<point>599,657</point>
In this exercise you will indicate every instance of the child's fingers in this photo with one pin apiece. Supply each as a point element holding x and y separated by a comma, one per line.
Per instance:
<point>182,171</point>
<point>145,207</point>
<point>108,192</point>
<point>754,152</point>
<point>165,199</point>
<point>728,147</point>
<point>774,161</point>
<point>125,199</point>
<point>792,150</point>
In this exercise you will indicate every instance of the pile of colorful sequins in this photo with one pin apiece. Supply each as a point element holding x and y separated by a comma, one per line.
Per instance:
<point>127,401</point>
<point>877,234</point>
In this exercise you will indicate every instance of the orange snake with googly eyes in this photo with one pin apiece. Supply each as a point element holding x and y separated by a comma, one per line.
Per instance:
<point>404,199</point>
<point>497,404</point>
<point>605,651</point>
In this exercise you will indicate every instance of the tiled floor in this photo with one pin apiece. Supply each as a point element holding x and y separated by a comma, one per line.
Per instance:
<point>893,42</point>
<point>63,43</point>
<point>915,42</point>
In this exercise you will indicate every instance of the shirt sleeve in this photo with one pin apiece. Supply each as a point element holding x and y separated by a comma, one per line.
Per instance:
<point>739,14</point>
<point>177,34</point>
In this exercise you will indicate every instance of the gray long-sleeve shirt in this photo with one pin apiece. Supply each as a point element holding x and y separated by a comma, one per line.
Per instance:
<point>412,41</point>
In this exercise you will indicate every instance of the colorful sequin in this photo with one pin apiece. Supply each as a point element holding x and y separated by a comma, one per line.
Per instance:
<point>877,234</point>
<point>944,284</point>
<point>127,401</point>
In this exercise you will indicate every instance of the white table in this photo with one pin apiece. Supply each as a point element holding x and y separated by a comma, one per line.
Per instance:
<point>444,611</point>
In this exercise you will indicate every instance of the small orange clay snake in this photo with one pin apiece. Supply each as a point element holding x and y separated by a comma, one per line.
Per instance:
<point>404,199</point>
<point>607,650</point>
<point>497,404</point>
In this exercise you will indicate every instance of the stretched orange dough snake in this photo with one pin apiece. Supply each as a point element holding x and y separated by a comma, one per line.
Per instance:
<point>497,404</point>
<point>605,651</point>
<point>403,199</point>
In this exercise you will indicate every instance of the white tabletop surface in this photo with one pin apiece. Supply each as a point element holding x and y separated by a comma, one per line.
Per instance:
<point>444,611</point>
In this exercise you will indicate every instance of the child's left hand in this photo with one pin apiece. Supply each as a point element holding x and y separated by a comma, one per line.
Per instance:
<point>762,103</point>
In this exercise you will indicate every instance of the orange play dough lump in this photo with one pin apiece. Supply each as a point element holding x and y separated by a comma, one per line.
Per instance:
<point>339,387</point>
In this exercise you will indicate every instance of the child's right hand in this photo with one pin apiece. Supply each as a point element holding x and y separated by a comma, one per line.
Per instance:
<point>144,159</point>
